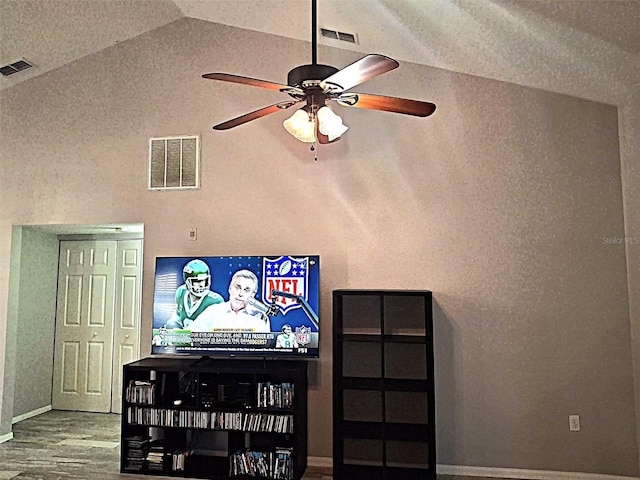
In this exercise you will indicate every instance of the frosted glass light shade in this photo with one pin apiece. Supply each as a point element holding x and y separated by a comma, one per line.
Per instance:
<point>330,124</point>
<point>300,126</point>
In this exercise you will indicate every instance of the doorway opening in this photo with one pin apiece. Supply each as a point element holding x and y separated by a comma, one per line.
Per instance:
<point>41,355</point>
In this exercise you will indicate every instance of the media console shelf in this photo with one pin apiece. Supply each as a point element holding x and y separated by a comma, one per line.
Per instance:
<point>383,385</point>
<point>215,418</point>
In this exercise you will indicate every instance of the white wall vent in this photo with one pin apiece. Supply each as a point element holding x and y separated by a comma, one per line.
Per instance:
<point>174,162</point>
<point>342,36</point>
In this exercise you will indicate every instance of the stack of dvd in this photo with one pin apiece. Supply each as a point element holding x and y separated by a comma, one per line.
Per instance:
<point>137,449</point>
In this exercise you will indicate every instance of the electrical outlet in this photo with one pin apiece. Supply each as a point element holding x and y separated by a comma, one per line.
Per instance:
<point>574,423</point>
<point>193,234</point>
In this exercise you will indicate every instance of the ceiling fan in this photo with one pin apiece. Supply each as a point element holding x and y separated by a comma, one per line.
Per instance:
<point>316,85</point>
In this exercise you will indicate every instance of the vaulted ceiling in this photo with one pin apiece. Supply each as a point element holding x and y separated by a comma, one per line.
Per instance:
<point>586,48</point>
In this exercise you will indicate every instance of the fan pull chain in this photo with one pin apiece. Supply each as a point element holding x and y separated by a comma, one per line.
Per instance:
<point>315,151</point>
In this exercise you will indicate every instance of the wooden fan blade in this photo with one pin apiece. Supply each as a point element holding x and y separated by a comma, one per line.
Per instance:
<point>247,117</point>
<point>387,104</point>
<point>358,72</point>
<point>254,82</point>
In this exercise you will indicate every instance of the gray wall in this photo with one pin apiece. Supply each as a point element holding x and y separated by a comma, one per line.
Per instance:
<point>10,330</point>
<point>499,203</point>
<point>36,321</point>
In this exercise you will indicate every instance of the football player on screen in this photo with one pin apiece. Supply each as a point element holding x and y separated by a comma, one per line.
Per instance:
<point>194,296</point>
<point>286,339</point>
<point>160,339</point>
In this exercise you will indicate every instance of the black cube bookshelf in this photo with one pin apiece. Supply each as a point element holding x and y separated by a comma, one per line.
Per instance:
<point>383,385</point>
<point>215,418</point>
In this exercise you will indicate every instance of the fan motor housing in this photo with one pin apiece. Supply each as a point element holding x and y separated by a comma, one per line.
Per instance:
<point>305,73</point>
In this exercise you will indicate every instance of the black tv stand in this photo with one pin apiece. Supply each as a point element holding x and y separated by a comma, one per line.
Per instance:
<point>205,359</point>
<point>200,418</point>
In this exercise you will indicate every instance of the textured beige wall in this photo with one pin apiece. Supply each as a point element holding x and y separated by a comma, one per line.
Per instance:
<point>499,203</point>
<point>629,119</point>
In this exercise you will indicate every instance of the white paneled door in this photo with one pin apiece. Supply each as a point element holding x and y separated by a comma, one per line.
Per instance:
<point>126,328</point>
<point>97,322</point>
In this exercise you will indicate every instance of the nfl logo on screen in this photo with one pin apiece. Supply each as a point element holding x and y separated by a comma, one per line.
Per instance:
<point>285,274</point>
<point>303,335</point>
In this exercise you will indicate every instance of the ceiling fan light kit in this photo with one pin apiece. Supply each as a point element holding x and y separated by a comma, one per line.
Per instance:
<point>315,85</point>
<point>301,126</point>
<point>330,124</point>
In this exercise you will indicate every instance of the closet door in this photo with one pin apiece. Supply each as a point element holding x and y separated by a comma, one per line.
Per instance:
<point>126,326</point>
<point>82,367</point>
<point>97,322</point>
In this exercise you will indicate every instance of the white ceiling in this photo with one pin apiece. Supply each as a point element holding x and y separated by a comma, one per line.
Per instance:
<point>586,48</point>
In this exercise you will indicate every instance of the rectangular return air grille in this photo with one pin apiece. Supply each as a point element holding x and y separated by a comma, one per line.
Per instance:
<point>174,162</point>
<point>15,67</point>
<point>342,36</point>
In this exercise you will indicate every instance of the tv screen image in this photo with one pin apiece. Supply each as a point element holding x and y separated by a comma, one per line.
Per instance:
<point>237,305</point>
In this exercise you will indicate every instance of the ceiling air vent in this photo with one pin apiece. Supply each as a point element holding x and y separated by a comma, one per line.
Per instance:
<point>342,36</point>
<point>174,162</point>
<point>15,67</point>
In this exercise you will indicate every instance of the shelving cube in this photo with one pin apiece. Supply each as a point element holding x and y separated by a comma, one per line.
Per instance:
<point>383,385</point>
<point>214,410</point>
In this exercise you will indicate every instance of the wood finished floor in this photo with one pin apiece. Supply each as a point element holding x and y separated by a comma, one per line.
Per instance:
<point>59,445</point>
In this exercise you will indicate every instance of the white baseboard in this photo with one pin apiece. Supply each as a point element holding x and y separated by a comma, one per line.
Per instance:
<point>6,438</point>
<point>520,473</point>
<point>30,414</point>
<point>488,472</point>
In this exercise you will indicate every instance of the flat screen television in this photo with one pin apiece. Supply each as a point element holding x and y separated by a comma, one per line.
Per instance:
<point>236,306</point>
